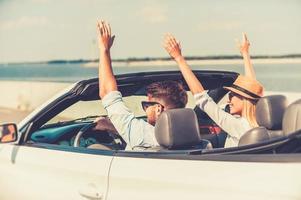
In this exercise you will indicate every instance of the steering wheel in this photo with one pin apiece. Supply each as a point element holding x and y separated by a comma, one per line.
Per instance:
<point>86,128</point>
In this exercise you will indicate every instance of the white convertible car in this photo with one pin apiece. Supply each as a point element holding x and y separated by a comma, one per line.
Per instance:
<point>57,153</point>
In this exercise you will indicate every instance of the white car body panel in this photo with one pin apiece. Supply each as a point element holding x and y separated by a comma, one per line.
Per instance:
<point>30,173</point>
<point>140,178</point>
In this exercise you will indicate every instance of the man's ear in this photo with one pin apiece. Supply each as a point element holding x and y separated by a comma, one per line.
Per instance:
<point>159,109</point>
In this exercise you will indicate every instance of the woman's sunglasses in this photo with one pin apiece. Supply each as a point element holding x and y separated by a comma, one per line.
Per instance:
<point>232,94</point>
<point>146,104</point>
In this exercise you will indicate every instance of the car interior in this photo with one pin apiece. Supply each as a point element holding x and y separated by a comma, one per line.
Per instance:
<point>189,129</point>
<point>80,132</point>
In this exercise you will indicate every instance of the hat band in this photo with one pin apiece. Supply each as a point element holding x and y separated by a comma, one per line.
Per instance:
<point>245,91</point>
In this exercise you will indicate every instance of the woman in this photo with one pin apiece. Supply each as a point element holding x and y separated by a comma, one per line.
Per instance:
<point>243,96</point>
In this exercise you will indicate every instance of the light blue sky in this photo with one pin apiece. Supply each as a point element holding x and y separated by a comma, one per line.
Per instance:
<point>35,30</point>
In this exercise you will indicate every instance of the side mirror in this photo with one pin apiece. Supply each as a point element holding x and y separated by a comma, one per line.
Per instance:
<point>8,133</point>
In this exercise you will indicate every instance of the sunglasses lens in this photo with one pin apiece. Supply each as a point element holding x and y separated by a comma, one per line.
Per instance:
<point>232,94</point>
<point>145,105</point>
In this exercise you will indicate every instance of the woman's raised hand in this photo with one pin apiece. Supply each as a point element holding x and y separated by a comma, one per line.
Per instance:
<point>244,46</point>
<point>172,46</point>
<point>105,39</point>
<point>244,50</point>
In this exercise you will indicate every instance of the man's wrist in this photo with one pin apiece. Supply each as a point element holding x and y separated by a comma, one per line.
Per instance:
<point>104,51</point>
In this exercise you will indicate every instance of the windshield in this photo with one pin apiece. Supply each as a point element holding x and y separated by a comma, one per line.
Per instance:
<point>84,109</point>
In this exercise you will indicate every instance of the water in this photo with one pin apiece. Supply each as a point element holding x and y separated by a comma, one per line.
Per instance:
<point>275,77</point>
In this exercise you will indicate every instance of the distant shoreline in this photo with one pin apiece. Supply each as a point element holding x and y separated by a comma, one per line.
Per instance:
<point>198,62</point>
<point>220,58</point>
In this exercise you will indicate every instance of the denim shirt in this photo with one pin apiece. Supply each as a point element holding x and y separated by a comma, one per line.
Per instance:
<point>137,133</point>
<point>234,125</point>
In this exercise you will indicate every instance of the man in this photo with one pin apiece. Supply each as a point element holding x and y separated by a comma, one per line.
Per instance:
<point>161,96</point>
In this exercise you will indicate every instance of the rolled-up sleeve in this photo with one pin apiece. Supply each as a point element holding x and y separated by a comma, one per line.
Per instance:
<point>136,132</point>
<point>234,126</point>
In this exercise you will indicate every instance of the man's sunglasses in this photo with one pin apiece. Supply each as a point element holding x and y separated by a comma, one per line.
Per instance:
<point>146,104</point>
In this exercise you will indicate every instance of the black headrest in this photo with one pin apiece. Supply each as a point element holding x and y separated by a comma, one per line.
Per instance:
<point>177,128</point>
<point>255,135</point>
<point>270,110</point>
<point>292,118</point>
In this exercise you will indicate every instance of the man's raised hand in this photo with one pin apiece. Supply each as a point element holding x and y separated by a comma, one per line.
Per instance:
<point>105,39</point>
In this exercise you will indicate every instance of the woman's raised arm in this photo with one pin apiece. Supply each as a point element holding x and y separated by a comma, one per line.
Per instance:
<point>244,50</point>
<point>173,47</point>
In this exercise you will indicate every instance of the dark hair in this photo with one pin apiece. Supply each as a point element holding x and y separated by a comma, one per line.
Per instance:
<point>171,92</point>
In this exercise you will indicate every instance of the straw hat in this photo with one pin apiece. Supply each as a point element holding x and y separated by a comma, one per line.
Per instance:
<point>246,87</point>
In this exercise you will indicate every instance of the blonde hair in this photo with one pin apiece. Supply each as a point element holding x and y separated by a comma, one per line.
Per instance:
<point>248,111</point>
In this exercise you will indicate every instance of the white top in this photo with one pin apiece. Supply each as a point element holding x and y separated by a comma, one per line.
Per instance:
<point>235,126</point>
<point>137,133</point>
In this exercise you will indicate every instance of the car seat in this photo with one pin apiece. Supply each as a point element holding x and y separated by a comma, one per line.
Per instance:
<point>292,118</point>
<point>269,116</point>
<point>178,129</point>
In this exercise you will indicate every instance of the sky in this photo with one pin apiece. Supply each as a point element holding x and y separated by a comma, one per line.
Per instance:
<point>41,30</point>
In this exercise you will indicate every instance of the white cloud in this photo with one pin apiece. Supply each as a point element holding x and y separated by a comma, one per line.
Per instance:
<point>154,13</point>
<point>24,22</point>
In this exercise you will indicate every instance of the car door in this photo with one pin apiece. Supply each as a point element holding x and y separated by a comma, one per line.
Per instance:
<point>143,176</point>
<point>52,172</point>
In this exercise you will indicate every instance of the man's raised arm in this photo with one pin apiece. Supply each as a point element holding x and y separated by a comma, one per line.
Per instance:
<point>107,81</point>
